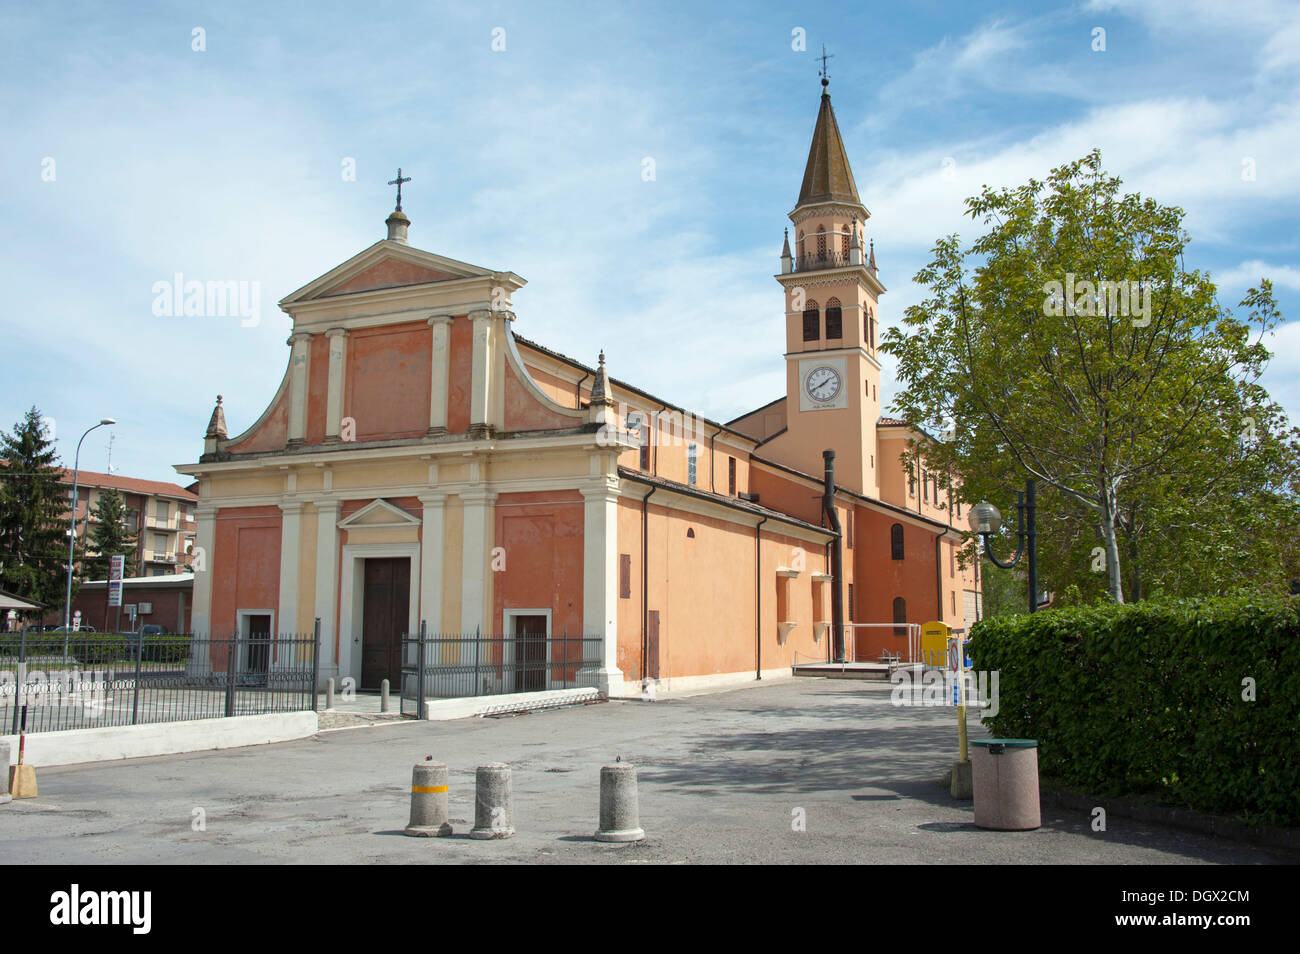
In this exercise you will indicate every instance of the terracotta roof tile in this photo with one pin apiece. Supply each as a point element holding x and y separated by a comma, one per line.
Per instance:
<point>131,485</point>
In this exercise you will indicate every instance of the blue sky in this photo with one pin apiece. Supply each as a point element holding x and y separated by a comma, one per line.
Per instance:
<point>226,165</point>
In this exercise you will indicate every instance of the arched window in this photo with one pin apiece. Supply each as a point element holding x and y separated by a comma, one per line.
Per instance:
<point>896,541</point>
<point>900,615</point>
<point>799,250</point>
<point>871,329</point>
<point>834,320</point>
<point>844,242</point>
<point>821,242</point>
<point>812,324</point>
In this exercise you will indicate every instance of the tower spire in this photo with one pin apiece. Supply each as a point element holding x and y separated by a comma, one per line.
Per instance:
<point>827,177</point>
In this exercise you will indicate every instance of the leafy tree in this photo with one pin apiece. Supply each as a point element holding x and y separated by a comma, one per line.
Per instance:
<point>110,536</point>
<point>1070,344</point>
<point>33,514</point>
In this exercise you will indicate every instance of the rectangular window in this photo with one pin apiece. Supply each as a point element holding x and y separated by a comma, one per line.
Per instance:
<point>635,422</point>
<point>925,486</point>
<point>691,457</point>
<point>731,476</point>
<point>161,510</point>
<point>849,521</point>
<point>811,325</point>
<point>850,602</point>
<point>625,576</point>
<point>834,324</point>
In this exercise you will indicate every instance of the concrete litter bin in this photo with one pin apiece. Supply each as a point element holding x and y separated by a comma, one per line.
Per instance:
<point>1006,784</point>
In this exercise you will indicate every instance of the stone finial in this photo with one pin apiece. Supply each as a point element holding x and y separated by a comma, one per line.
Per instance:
<point>871,262</point>
<point>600,389</point>
<point>217,423</point>
<point>397,223</point>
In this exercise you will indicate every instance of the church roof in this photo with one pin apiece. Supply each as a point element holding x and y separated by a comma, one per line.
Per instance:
<point>827,177</point>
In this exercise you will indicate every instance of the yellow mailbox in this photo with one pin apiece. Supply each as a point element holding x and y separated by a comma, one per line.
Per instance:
<point>934,643</point>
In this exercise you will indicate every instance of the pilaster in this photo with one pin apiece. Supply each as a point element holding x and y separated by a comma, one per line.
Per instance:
<point>299,362</point>
<point>438,379</point>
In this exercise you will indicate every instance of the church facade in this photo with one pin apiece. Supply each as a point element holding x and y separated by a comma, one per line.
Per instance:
<point>422,463</point>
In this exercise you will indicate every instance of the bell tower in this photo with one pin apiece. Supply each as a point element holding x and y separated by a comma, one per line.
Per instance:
<point>831,314</point>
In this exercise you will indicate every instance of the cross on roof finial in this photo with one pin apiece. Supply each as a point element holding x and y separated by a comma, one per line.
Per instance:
<point>826,77</point>
<point>398,182</point>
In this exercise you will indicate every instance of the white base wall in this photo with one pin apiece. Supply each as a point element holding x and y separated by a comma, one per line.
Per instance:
<point>443,709</point>
<point>72,746</point>
<point>714,682</point>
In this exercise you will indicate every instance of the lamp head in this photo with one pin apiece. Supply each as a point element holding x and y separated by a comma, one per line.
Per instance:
<point>108,420</point>
<point>985,518</point>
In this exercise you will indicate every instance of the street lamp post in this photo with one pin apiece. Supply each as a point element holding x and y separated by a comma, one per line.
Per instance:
<point>985,520</point>
<point>72,534</point>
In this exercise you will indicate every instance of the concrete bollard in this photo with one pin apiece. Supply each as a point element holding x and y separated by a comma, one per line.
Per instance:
<point>429,801</point>
<point>22,777</point>
<point>494,815</point>
<point>329,693</point>
<point>4,761</point>
<point>620,817</point>
<point>383,696</point>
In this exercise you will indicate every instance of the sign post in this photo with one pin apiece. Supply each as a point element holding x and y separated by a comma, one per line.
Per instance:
<point>116,565</point>
<point>962,780</point>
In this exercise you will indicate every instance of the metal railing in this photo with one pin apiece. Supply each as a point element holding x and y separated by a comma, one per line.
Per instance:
<point>57,680</point>
<point>813,261</point>
<point>891,656</point>
<point>455,666</point>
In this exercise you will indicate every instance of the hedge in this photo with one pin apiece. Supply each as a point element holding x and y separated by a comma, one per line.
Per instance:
<point>1147,699</point>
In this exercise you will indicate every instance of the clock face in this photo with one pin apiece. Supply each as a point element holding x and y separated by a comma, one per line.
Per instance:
<point>822,384</point>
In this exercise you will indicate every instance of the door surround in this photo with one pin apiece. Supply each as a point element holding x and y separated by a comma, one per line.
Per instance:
<point>352,599</point>
<point>508,641</point>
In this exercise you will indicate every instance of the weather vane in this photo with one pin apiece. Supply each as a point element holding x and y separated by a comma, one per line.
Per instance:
<point>826,77</point>
<point>398,182</point>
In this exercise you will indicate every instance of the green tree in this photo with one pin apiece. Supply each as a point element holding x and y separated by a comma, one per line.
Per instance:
<point>1069,343</point>
<point>109,536</point>
<point>33,514</point>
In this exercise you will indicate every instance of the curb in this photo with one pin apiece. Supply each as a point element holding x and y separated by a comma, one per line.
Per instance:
<point>1181,818</point>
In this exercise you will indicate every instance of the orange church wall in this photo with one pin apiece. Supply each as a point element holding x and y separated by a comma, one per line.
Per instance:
<point>776,491</point>
<point>704,595</point>
<point>558,389</point>
<point>388,380</point>
<point>523,413</point>
<point>703,589</point>
<point>542,537</point>
<point>245,566</point>
<point>460,362</point>
<point>317,388</point>
<point>273,432</point>
<point>630,608</point>
<point>912,578</point>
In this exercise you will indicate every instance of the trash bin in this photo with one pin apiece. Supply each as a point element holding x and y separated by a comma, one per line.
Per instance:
<point>1006,784</point>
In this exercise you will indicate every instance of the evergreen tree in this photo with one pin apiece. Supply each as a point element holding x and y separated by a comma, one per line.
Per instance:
<point>108,537</point>
<point>33,514</point>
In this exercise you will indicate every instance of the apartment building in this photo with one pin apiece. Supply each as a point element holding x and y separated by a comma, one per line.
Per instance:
<point>161,515</point>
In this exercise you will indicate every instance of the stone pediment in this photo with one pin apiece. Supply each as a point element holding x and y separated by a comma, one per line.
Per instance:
<point>378,513</point>
<point>385,265</point>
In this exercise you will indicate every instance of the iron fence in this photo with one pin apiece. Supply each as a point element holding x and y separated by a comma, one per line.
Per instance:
<point>52,681</point>
<point>455,666</point>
